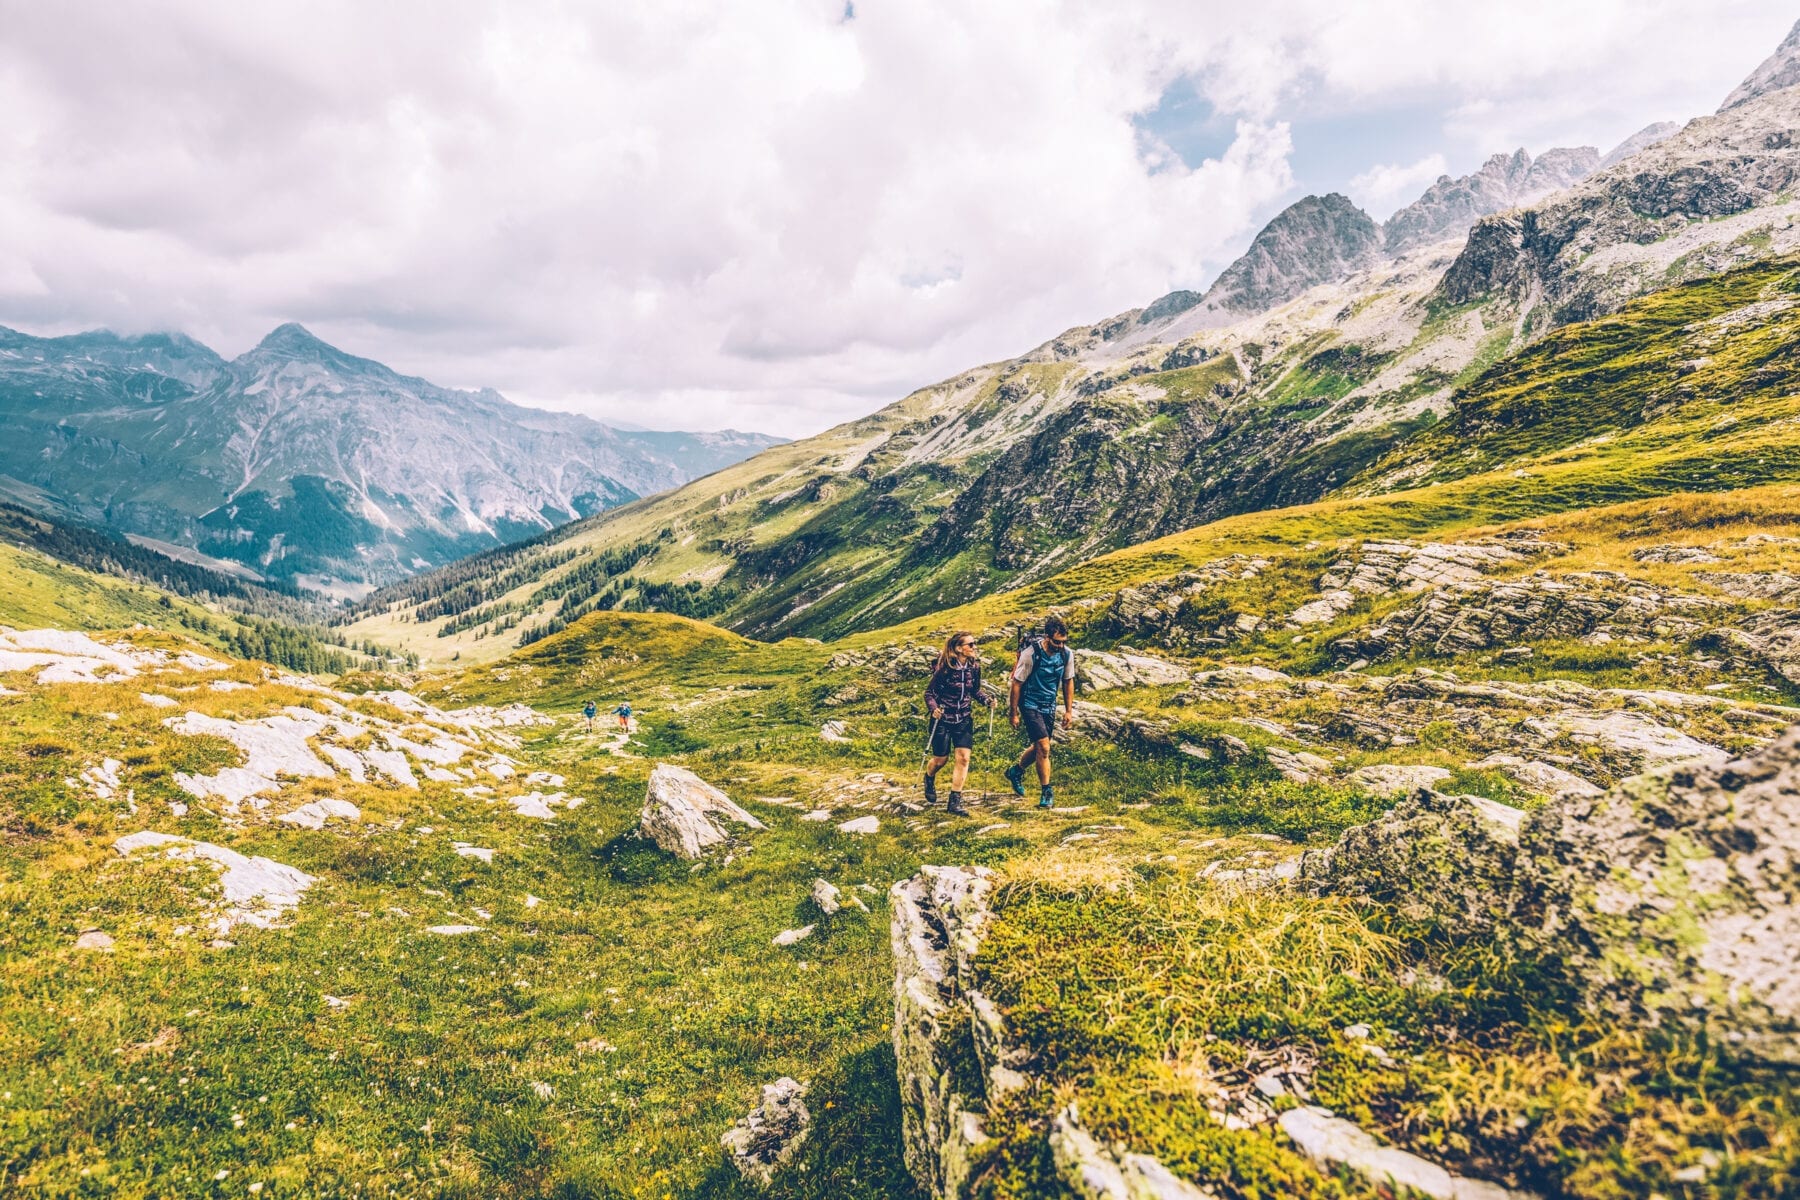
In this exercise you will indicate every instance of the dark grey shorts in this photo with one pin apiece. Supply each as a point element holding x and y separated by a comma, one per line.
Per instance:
<point>952,735</point>
<point>1037,724</point>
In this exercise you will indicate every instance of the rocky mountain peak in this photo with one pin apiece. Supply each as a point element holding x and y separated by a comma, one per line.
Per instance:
<point>1504,181</point>
<point>294,340</point>
<point>1780,70</point>
<point>1315,240</point>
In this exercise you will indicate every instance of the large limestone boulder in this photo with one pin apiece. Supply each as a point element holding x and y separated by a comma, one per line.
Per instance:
<point>1446,859</point>
<point>1674,898</point>
<point>686,815</point>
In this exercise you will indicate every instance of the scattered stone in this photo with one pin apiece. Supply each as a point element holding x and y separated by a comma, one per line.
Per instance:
<point>683,813</point>
<point>1393,779</point>
<point>861,825</point>
<point>1328,607</point>
<point>817,814</point>
<point>1674,554</point>
<point>834,731</point>
<point>452,930</point>
<point>1298,766</point>
<point>94,939</point>
<point>765,1140</point>
<point>825,896</point>
<point>540,804</point>
<point>157,701</point>
<point>1336,1144</point>
<point>788,937</point>
<point>465,850</point>
<point>314,814</point>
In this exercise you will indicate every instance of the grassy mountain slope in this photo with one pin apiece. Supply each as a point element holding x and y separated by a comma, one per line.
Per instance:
<point>1684,390</point>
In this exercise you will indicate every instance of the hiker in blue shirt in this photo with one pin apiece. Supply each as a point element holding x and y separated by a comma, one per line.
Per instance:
<point>588,710</point>
<point>951,697</point>
<point>1045,668</point>
<point>623,712</point>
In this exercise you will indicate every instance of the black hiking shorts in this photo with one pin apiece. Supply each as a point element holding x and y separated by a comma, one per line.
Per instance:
<point>1038,725</point>
<point>946,735</point>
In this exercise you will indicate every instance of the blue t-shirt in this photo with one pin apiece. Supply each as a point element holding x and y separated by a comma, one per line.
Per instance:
<point>1040,674</point>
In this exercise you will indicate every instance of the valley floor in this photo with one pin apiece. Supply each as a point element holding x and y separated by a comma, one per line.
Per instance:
<point>406,942</point>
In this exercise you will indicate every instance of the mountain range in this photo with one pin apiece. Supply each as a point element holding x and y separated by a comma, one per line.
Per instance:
<point>1314,364</point>
<point>299,462</point>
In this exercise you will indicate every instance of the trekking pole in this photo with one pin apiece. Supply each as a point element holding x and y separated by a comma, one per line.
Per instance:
<point>930,732</point>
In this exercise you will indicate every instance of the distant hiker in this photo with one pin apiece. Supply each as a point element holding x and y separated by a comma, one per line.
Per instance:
<point>950,697</point>
<point>1045,667</point>
<point>623,712</point>
<point>588,710</point>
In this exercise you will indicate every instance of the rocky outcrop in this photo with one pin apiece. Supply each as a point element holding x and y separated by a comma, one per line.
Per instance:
<point>254,891</point>
<point>954,1057</point>
<point>1164,611</point>
<point>1380,568</point>
<point>685,815</point>
<point>1770,639</point>
<point>1096,1172</point>
<point>1450,206</point>
<point>1447,859</point>
<point>938,919</point>
<point>1626,229</point>
<point>1464,617</point>
<point>1671,899</point>
<point>1780,70</point>
<point>765,1140</point>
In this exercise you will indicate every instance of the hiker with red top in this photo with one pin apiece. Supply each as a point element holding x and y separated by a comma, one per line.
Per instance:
<point>950,697</point>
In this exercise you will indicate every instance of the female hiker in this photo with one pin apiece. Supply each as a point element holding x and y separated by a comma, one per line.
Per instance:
<point>950,697</point>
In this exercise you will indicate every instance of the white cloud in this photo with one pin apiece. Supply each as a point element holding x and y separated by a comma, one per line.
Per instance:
<point>698,215</point>
<point>1389,186</point>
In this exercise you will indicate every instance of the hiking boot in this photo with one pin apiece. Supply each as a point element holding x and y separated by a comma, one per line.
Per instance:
<point>957,808</point>
<point>931,789</point>
<point>1046,796</point>
<point>1016,777</point>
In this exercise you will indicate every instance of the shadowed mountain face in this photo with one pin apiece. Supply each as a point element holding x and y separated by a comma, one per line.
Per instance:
<point>304,462</point>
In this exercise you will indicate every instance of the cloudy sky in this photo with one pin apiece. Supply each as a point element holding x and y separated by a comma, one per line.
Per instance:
<point>773,214</point>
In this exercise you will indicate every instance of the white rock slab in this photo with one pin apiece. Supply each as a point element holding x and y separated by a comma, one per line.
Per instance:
<point>861,825</point>
<point>685,815</point>
<point>257,891</point>
<point>465,850</point>
<point>788,937</point>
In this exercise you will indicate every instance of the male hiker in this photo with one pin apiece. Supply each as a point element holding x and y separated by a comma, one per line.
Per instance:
<point>623,712</point>
<point>1045,667</point>
<point>588,710</point>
